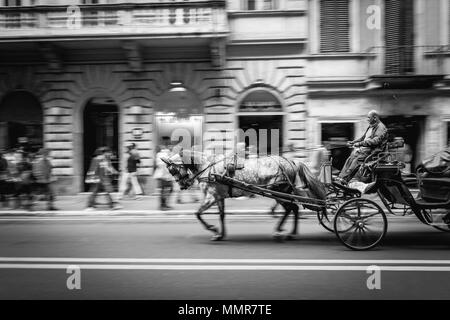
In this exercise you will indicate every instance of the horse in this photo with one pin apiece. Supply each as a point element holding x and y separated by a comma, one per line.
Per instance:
<point>272,172</point>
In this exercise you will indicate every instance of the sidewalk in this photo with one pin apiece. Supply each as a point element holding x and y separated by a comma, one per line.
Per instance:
<point>68,205</point>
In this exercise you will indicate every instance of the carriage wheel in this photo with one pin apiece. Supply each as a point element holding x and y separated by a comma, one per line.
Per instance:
<point>360,224</point>
<point>445,227</point>
<point>334,200</point>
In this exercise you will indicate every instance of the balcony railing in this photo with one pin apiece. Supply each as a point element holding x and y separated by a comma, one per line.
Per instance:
<point>160,17</point>
<point>407,60</point>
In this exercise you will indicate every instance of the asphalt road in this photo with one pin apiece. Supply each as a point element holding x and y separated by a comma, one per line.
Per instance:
<point>173,258</point>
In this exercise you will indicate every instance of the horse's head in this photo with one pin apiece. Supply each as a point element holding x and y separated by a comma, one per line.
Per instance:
<point>180,171</point>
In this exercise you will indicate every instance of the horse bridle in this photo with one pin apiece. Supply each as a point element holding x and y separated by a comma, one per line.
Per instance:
<point>185,177</point>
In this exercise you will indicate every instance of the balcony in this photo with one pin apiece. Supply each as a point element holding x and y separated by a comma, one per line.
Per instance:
<point>408,66</point>
<point>142,20</point>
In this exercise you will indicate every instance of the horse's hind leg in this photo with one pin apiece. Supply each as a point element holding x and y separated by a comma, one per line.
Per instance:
<point>293,233</point>
<point>278,234</point>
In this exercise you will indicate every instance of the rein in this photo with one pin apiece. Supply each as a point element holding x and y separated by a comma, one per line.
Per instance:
<point>190,180</point>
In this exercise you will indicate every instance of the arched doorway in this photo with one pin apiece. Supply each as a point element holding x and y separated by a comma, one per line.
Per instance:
<point>178,113</point>
<point>21,121</point>
<point>262,111</point>
<point>100,129</point>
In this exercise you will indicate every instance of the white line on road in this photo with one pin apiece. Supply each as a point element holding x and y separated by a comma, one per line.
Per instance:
<point>222,267</point>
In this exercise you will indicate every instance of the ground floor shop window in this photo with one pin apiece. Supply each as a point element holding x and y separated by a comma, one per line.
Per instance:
<point>21,121</point>
<point>178,119</point>
<point>170,127</point>
<point>335,137</point>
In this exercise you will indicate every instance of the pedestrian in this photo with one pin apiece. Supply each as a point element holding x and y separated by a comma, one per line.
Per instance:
<point>164,178</point>
<point>43,175</point>
<point>178,149</point>
<point>3,178</point>
<point>100,177</point>
<point>320,155</point>
<point>131,173</point>
<point>404,154</point>
<point>11,173</point>
<point>24,180</point>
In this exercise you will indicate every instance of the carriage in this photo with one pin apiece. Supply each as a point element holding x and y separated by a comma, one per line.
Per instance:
<point>355,216</point>
<point>357,220</point>
<point>360,223</point>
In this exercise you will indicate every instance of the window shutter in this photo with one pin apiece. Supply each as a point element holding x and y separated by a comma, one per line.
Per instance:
<point>334,26</point>
<point>399,36</point>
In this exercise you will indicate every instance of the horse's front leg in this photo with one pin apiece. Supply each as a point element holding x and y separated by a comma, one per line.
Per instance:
<point>221,205</point>
<point>207,203</point>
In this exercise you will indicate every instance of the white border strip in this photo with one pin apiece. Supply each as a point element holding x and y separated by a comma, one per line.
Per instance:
<point>222,261</point>
<point>221,267</point>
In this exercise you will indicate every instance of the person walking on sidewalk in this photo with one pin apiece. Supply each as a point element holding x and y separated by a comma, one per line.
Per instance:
<point>178,148</point>
<point>24,180</point>
<point>100,177</point>
<point>3,178</point>
<point>42,172</point>
<point>130,173</point>
<point>164,178</point>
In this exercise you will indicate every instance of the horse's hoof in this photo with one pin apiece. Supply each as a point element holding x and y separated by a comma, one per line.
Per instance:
<point>291,237</point>
<point>216,237</point>
<point>278,236</point>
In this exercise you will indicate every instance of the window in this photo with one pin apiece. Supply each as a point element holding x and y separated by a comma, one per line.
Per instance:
<point>269,4</point>
<point>399,36</point>
<point>250,5</point>
<point>259,5</point>
<point>13,3</point>
<point>334,26</point>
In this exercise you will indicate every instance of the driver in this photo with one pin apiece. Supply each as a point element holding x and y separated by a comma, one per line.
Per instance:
<point>374,139</point>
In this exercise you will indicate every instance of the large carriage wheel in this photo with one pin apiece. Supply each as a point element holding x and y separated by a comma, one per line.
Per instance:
<point>360,224</point>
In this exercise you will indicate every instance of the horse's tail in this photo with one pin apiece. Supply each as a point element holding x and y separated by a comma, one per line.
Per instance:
<point>312,183</point>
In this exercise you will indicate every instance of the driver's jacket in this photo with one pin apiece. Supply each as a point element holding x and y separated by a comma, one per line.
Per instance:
<point>377,139</point>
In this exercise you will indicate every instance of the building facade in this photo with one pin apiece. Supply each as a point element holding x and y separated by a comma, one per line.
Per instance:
<point>86,73</point>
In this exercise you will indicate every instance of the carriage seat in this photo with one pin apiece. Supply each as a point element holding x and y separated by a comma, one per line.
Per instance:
<point>435,189</point>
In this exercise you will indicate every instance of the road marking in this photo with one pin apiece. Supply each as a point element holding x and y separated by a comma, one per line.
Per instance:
<point>222,264</point>
<point>222,267</point>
